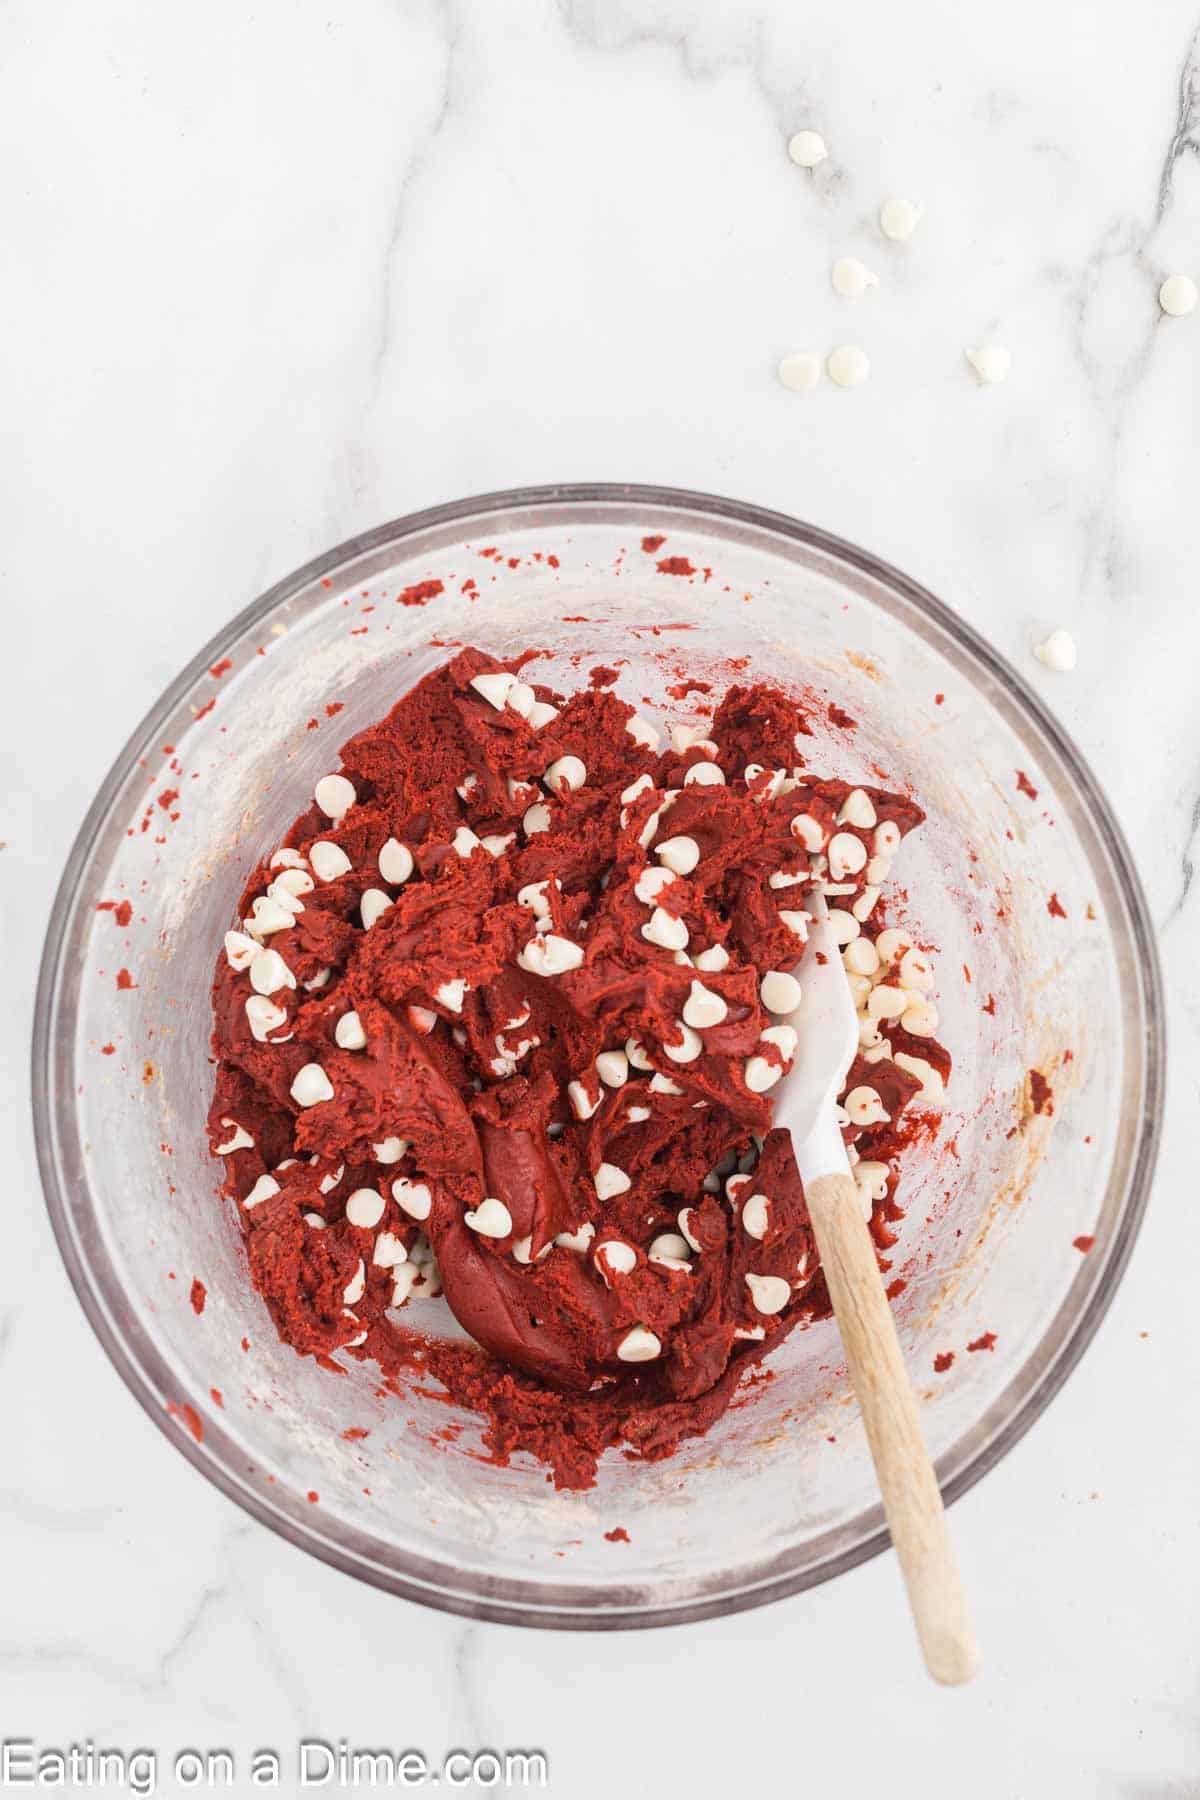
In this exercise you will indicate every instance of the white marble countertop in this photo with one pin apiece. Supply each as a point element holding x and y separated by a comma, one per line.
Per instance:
<point>277,273</point>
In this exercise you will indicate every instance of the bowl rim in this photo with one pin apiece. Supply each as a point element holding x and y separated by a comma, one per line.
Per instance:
<point>520,1601</point>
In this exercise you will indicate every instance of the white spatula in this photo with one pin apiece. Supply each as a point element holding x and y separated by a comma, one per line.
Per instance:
<point>827,1030</point>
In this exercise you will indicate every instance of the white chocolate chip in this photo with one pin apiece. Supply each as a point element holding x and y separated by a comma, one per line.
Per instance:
<point>264,1189</point>
<point>550,955</point>
<point>494,686</point>
<point>541,713</point>
<point>612,1066</point>
<point>365,1208</point>
<point>356,1287</point>
<point>844,926</point>
<point>756,1216</point>
<point>372,906</point>
<point>395,862</point>
<point>666,930</point>
<point>328,1182</point>
<point>583,1103</point>
<point>847,855</point>
<point>522,698</point>
<point>577,1240</point>
<point>269,973</point>
<point>670,1250</point>
<point>691,1043</point>
<point>686,1224</point>
<point>919,1018</point>
<point>389,1252</point>
<point>779,992</point>
<point>451,994</point>
<point>887,1002</point>
<point>536,819</point>
<point>915,972</point>
<point>635,1050</point>
<point>609,1181</point>
<point>847,365</point>
<point>861,957</point>
<point>615,1257</point>
<point>662,1084</point>
<point>314,1219</point>
<point>491,1218</point>
<point>389,1150</point>
<point>328,860</point>
<point>335,796</point>
<point>637,1115</point>
<point>1178,296</point>
<point>421,1019</point>
<point>348,1033</point>
<point>241,1139</point>
<point>639,1345</point>
<point>286,858</point>
<point>796,922</point>
<point>851,278</point>
<point>643,785</point>
<point>1058,651</point>
<point>268,915</point>
<point>864,1107</point>
<point>857,809</point>
<point>643,732</point>
<point>317,981</point>
<point>701,1009</point>
<point>566,774</point>
<point>932,1091</point>
<point>650,884</point>
<point>311,1086</point>
<point>704,774</point>
<point>864,906</point>
<point>768,1293</point>
<point>680,854</point>
<point>464,841</point>
<point>712,961</point>
<point>412,1197</point>
<point>760,1074</point>
<point>807,149</point>
<point>535,899</point>
<point>263,1017</point>
<point>892,943</point>
<point>809,832</point>
<point>784,1039</point>
<point>898,219</point>
<point>991,363</point>
<point>799,371</point>
<point>288,887</point>
<point>240,950</point>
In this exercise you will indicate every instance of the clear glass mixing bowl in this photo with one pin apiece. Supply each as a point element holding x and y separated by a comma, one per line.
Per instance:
<point>780,1495</point>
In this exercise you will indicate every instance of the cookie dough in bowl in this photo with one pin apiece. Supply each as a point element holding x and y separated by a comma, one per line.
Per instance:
<point>1005,1219</point>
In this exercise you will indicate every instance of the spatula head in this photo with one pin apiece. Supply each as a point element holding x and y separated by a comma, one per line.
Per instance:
<point>826,1028</point>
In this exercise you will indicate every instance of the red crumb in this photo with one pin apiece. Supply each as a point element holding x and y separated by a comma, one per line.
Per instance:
<point>108,1049</point>
<point>602,676</point>
<point>986,1342</point>
<point>125,980</point>
<point>553,561</point>
<point>190,1417</point>
<point>199,1296</point>
<point>312,1496</point>
<point>354,1434</point>
<point>675,565</point>
<point>618,1535</point>
<point>942,1361</point>
<point>682,689</point>
<point>333,708</point>
<point>1055,907</point>
<point>245,1343</point>
<point>167,798</point>
<point>217,1397</point>
<point>656,542</point>
<point>989,1005</point>
<point>840,717</point>
<point>1025,786</point>
<point>419,593</point>
<point>1083,1244</point>
<point>1041,1093</point>
<point>202,712</point>
<point>939,699</point>
<point>221,668</point>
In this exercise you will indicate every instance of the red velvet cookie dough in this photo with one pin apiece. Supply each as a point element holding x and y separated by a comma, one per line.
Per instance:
<point>497,1021</point>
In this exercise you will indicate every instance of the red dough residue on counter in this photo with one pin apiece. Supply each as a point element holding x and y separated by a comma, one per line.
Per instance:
<point>198,1296</point>
<point>986,1342</point>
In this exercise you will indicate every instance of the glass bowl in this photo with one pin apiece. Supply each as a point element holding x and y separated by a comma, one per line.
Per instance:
<point>1021,1212</point>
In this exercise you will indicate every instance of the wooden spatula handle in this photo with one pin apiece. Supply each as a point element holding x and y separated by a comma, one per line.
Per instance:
<point>907,1482</point>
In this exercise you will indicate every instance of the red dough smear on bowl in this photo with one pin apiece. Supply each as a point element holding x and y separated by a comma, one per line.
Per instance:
<point>500,1021</point>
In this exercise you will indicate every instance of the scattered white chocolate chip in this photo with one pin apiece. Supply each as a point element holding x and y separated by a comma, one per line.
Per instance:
<point>612,1066</point>
<point>666,930</point>
<point>680,854</point>
<point>808,831</point>
<point>566,774</point>
<point>356,1287</point>
<point>263,1017</point>
<point>610,1181</point>
<point>335,796</point>
<point>843,926</point>
<point>851,278</point>
<point>348,1033</point>
<point>494,687</point>
<point>857,809</point>
<point>1178,296</point>
<point>1058,651</point>
<point>365,1208</point>
<point>412,1197</point>
<point>756,1216</point>
<point>799,371</point>
<point>328,860</point>
<point>807,148</point>
<point>861,957</point>
<point>269,973</point>
<point>701,1009</point>
<point>919,1018</point>
<point>311,1086</point>
<point>847,855</point>
<point>536,819</point>
<point>847,365</point>
<point>768,1293</point>
<point>864,906</point>
<point>639,1345</point>
<point>389,1150</point>
<point>864,1107</point>
<point>643,732</point>
<point>389,1251</point>
<point>712,960</point>
<point>704,774</point>
<point>892,943</point>
<point>615,1257</point>
<point>915,972</point>
<point>887,1002</point>
<point>491,1219</point>
<point>779,991</point>
<point>650,884</point>
<point>898,219</point>
<point>372,906</point>
<point>549,955</point>
<point>690,1044</point>
<point>240,950</point>
<point>264,1189</point>
<point>395,862</point>
<point>991,363</point>
<point>932,1091</point>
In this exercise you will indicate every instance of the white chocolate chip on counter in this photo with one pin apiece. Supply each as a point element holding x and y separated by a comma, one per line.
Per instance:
<point>365,1208</point>
<point>847,855</point>
<point>1178,296</point>
<point>412,1197</point>
<point>1058,652</point>
<point>892,943</point>
<point>807,148</point>
<point>610,1181</point>
<point>491,1218</point>
<point>348,1033</point>
<point>639,1345</point>
<point>844,926</point>
<point>799,371</point>
<point>666,930</point>
<point>898,219</point>
<point>861,957</point>
<point>550,955</point>
<point>702,1008</point>
<point>887,1002</point>
<point>756,1216</point>
<point>372,906</point>
<point>864,1107</point>
<point>566,774</point>
<point>991,363</point>
<point>915,972</point>
<point>335,796</point>
<point>779,991</point>
<point>768,1293</point>
<point>263,1017</point>
<point>847,365</point>
<point>851,278</point>
<point>329,860</point>
<point>680,854</point>
<point>264,1189</point>
<point>919,1018</point>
